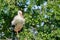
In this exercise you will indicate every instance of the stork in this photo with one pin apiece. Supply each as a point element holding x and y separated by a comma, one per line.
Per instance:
<point>18,21</point>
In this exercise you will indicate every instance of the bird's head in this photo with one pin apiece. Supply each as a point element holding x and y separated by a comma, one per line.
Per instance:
<point>19,12</point>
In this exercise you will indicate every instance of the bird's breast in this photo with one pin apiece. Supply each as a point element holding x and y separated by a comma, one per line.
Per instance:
<point>20,20</point>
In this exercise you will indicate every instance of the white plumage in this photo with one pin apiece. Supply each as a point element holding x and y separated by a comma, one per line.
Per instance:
<point>18,21</point>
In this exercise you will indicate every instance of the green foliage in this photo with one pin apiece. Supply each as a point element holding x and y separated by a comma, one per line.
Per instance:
<point>42,19</point>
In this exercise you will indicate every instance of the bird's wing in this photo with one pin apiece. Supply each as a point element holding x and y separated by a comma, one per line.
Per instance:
<point>14,20</point>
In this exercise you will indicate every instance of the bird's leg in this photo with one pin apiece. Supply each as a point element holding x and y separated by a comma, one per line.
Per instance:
<point>17,34</point>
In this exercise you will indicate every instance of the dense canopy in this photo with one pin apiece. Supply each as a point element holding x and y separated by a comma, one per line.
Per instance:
<point>42,19</point>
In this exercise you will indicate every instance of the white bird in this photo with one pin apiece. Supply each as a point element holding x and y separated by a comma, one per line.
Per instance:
<point>18,21</point>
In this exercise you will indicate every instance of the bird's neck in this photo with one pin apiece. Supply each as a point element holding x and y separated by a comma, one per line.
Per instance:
<point>21,16</point>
